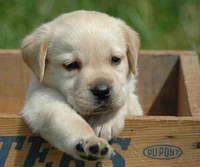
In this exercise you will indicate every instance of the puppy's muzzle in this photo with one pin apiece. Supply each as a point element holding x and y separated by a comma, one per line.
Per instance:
<point>101,91</point>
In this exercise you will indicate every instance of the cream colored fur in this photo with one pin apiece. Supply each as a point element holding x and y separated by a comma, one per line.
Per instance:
<point>59,103</point>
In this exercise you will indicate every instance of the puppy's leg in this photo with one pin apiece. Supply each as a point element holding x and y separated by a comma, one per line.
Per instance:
<point>110,125</point>
<point>47,113</point>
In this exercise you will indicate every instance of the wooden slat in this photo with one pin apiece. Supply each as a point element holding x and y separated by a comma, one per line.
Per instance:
<point>142,132</point>
<point>191,78</point>
<point>183,103</point>
<point>14,79</point>
<point>142,52</point>
<point>166,52</point>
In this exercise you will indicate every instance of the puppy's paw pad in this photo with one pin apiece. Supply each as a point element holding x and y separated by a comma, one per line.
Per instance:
<point>79,147</point>
<point>94,149</point>
<point>104,151</point>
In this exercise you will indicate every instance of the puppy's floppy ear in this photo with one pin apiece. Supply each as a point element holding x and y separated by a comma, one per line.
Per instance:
<point>133,46</point>
<point>34,50</point>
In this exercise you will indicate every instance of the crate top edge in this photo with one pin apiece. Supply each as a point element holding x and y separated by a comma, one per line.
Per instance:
<point>133,118</point>
<point>9,51</point>
<point>166,52</point>
<point>141,52</point>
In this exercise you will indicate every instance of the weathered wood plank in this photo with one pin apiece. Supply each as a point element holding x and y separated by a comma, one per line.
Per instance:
<point>139,134</point>
<point>183,103</point>
<point>14,79</point>
<point>142,52</point>
<point>191,78</point>
<point>166,52</point>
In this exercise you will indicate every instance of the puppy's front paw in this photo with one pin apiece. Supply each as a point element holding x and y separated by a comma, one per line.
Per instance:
<point>94,149</point>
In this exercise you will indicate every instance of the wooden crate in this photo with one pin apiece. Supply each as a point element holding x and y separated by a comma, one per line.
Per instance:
<point>169,136</point>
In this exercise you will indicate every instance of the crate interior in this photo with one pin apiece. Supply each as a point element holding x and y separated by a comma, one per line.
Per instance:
<point>158,84</point>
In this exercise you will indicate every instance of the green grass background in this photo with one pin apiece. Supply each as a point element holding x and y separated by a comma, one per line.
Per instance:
<point>162,24</point>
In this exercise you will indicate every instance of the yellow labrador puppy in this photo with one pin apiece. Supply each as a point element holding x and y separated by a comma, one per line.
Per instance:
<point>85,68</point>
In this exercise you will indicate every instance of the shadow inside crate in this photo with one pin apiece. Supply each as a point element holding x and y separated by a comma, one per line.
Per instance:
<point>166,103</point>
<point>158,84</point>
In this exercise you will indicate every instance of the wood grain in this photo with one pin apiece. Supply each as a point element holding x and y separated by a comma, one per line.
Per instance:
<point>191,78</point>
<point>182,132</point>
<point>14,79</point>
<point>183,103</point>
<point>166,52</point>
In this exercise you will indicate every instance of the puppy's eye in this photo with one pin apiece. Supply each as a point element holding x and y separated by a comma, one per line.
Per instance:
<point>116,60</point>
<point>72,66</point>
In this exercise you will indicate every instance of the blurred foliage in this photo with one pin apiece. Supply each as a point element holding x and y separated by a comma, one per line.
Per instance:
<point>162,24</point>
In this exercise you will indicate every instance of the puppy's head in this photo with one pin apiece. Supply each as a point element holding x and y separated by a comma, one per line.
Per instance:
<point>89,57</point>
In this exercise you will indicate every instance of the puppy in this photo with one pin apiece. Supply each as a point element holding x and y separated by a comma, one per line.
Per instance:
<point>85,67</point>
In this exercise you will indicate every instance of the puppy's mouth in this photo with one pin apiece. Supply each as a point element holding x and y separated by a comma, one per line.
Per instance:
<point>103,108</point>
<point>100,109</point>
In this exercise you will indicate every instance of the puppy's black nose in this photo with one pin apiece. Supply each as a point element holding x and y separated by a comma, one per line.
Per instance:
<point>101,91</point>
